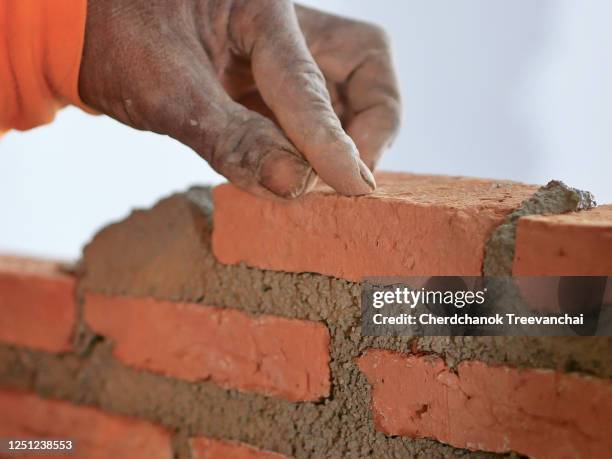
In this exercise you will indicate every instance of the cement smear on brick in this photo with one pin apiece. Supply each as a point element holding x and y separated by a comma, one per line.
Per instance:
<point>554,198</point>
<point>165,253</point>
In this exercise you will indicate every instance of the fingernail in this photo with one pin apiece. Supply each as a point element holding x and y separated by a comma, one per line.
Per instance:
<point>311,182</point>
<point>367,176</point>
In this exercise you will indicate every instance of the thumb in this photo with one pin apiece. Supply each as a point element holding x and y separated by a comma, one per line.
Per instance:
<point>242,145</point>
<point>253,153</point>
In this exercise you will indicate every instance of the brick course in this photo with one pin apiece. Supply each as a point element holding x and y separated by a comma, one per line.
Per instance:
<point>271,355</point>
<point>97,435</point>
<point>37,304</point>
<point>574,244</point>
<point>541,413</point>
<point>412,225</point>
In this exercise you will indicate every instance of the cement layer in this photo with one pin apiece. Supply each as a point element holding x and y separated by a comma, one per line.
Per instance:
<point>329,429</point>
<point>553,198</point>
<point>164,253</point>
<point>176,234</point>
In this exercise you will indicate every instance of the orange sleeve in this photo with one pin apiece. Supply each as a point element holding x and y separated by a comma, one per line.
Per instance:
<point>41,42</point>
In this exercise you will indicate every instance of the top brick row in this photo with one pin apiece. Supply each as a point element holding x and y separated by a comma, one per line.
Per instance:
<point>413,225</point>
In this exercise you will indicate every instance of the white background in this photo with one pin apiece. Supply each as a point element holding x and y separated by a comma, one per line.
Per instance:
<point>517,89</point>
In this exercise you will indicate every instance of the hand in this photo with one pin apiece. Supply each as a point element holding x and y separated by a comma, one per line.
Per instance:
<point>261,89</point>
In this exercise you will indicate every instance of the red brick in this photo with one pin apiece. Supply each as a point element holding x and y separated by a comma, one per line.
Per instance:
<point>272,355</point>
<point>540,413</point>
<point>412,225</point>
<point>578,244</point>
<point>37,304</point>
<point>208,448</point>
<point>97,435</point>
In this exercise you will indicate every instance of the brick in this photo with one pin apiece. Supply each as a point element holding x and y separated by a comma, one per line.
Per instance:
<point>97,435</point>
<point>37,304</point>
<point>412,225</point>
<point>578,244</point>
<point>272,355</point>
<point>209,448</point>
<point>540,413</point>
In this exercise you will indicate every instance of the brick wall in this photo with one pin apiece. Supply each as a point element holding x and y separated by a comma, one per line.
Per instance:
<point>177,336</point>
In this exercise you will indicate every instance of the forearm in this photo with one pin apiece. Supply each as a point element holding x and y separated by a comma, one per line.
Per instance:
<point>41,43</point>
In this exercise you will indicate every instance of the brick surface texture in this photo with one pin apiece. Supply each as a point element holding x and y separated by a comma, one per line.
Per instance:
<point>411,225</point>
<point>37,304</point>
<point>578,244</point>
<point>540,413</point>
<point>97,435</point>
<point>288,358</point>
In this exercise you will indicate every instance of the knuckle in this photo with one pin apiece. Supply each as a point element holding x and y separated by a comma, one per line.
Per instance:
<point>309,78</point>
<point>251,21</point>
<point>390,113</point>
<point>243,143</point>
<point>258,14</point>
<point>229,149</point>
<point>376,35</point>
<point>369,35</point>
<point>394,110</point>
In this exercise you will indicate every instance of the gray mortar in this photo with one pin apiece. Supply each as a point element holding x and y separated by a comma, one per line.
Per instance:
<point>295,295</point>
<point>341,426</point>
<point>554,198</point>
<point>300,429</point>
<point>173,239</point>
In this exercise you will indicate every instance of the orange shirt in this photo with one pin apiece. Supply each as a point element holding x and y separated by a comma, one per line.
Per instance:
<point>41,43</point>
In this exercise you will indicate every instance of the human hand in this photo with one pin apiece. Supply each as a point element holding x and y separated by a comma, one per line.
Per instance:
<point>264,91</point>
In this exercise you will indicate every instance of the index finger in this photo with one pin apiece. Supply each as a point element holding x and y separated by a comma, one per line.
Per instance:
<point>373,99</point>
<point>292,85</point>
<point>357,57</point>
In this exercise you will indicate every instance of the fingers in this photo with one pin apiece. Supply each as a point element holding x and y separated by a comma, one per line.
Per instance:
<point>293,87</point>
<point>254,154</point>
<point>356,58</point>
<point>373,103</point>
<point>243,146</point>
